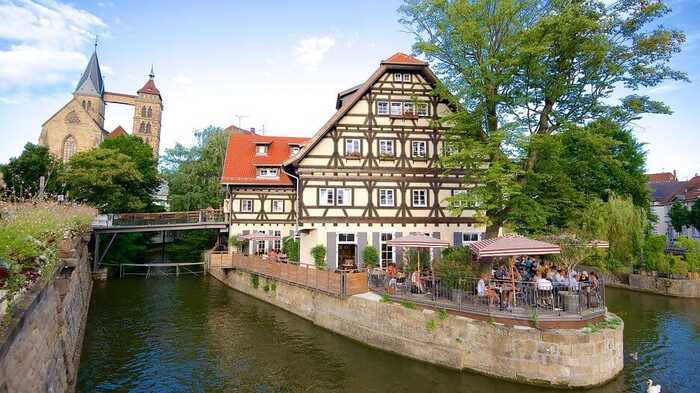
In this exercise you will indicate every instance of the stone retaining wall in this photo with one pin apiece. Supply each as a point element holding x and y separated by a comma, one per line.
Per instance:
<point>567,357</point>
<point>658,285</point>
<point>40,346</point>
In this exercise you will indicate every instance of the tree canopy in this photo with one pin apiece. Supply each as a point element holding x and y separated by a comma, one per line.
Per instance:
<point>679,215</point>
<point>117,177</point>
<point>22,174</point>
<point>194,173</point>
<point>538,131</point>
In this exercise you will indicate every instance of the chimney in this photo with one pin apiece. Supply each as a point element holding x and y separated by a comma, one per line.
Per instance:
<point>674,175</point>
<point>252,129</point>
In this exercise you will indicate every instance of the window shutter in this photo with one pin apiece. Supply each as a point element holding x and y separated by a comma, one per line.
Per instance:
<point>457,239</point>
<point>375,240</point>
<point>331,259</point>
<point>361,244</point>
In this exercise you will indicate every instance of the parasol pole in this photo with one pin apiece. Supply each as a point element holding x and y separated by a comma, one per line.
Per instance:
<point>418,268</point>
<point>511,261</point>
<point>432,271</point>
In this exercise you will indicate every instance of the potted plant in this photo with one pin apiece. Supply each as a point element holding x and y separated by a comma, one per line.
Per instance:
<point>454,269</point>
<point>370,257</point>
<point>235,244</point>
<point>318,253</point>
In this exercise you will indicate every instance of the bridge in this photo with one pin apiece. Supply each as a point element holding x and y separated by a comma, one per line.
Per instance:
<point>115,224</point>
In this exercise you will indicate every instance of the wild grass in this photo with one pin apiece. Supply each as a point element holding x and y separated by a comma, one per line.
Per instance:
<point>30,234</point>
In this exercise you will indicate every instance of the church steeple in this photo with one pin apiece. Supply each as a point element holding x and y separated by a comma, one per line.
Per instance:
<point>91,83</point>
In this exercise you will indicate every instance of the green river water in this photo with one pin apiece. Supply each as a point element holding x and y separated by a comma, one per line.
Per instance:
<point>193,334</point>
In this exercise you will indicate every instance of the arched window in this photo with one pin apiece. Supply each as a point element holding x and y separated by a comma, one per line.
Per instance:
<point>89,105</point>
<point>149,112</point>
<point>142,127</point>
<point>69,147</point>
<point>148,128</point>
<point>143,111</point>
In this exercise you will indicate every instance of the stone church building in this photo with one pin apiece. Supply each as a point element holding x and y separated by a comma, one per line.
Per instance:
<point>79,125</point>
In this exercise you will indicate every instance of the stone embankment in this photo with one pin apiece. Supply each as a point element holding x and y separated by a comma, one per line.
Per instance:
<point>40,343</point>
<point>653,284</point>
<point>564,357</point>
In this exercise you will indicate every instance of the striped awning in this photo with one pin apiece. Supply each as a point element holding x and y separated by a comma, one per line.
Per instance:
<point>506,246</point>
<point>418,241</point>
<point>258,236</point>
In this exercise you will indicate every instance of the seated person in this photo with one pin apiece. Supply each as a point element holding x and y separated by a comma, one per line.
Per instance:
<point>391,273</point>
<point>272,255</point>
<point>483,289</point>
<point>542,283</point>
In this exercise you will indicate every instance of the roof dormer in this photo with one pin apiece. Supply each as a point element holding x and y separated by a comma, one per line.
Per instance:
<point>261,148</point>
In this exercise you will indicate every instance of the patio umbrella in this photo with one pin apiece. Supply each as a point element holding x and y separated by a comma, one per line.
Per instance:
<point>419,241</point>
<point>510,246</point>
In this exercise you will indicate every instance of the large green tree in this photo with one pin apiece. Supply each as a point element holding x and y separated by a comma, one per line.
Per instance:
<point>22,174</point>
<point>694,216</point>
<point>194,173</point>
<point>141,155</point>
<point>679,215</point>
<point>535,79</point>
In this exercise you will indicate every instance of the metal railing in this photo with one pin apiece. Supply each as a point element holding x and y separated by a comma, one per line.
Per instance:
<point>336,283</point>
<point>496,297</point>
<point>167,218</point>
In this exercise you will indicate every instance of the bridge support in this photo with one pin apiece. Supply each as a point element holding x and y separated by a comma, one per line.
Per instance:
<point>96,252</point>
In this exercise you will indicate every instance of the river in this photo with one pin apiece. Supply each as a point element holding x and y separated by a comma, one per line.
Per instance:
<point>193,334</point>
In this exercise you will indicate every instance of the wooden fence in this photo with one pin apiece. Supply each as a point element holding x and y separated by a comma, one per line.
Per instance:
<point>334,283</point>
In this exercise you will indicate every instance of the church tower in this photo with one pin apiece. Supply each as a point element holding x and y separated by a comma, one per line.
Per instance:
<point>148,108</point>
<point>90,91</point>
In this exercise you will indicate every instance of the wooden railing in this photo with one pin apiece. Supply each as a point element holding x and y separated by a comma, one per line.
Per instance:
<point>334,283</point>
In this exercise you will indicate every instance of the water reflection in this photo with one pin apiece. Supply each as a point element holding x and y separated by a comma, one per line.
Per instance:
<point>195,335</point>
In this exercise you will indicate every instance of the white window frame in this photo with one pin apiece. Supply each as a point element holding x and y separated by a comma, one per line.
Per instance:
<point>468,237</point>
<point>351,144</point>
<point>268,172</point>
<point>261,150</point>
<point>277,206</point>
<point>326,196</point>
<point>389,197</point>
<point>244,206</point>
<point>277,244</point>
<point>386,148</point>
<point>423,109</point>
<point>415,196</point>
<point>462,204</point>
<point>418,143</point>
<point>385,105</point>
<point>407,78</point>
<point>343,196</point>
<point>349,238</point>
<point>398,106</point>
<point>398,77</point>
<point>409,108</point>
<point>384,237</point>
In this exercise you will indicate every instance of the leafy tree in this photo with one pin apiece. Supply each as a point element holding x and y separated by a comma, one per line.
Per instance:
<point>694,216</point>
<point>679,215</point>
<point>318,253</point>
<point>290,246</point>
<point>127,248</point>
<point>654,247</point>
<point>141,154</point>
<point>189,245</point>
<point>194,173</point>
<point>22,174</point>
<point>370,256</point>
<point>108,180</point>
<point>692,252</point>
<point>526,71</point>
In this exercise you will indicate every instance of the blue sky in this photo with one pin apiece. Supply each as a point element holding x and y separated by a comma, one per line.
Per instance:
<point>279,64</point>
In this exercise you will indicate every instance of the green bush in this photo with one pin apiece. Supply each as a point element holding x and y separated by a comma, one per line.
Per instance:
<point>692,252</point>
<point>370,256</point>
<point>290,246</point>
<point>679,266</point>
<point>318,253</point>
<point>455,265</point>
<point>663,265</point>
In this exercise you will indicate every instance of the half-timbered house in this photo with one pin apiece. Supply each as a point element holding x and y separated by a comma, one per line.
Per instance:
<point>370,174</point>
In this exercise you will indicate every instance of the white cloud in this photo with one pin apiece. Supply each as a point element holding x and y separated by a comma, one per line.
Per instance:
<point>310,51</point>
<point>46,40</point>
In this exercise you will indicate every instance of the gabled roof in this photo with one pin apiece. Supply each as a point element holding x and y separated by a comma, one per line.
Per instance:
<point>661,177</point>
<point>397,61</point>
<point>236,130</point>
<point>119,131</point>
<point>665,191</point>
<point>242,160</point>
<point>91,83</point>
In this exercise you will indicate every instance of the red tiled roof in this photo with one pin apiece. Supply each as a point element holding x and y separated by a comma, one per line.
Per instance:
<point>236,130</point>
<point>149,88</point>
<point>119,131</point>
<point>661,177</point>
<point>241,159</point>
<point>402,58</point>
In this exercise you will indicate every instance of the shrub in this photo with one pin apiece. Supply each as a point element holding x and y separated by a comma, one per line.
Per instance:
<point>654,246</point>
<point>370,256</point>
<point>679,266</point>
<point>318,253</point>
<point>290,246</point>
<point>454,266</point>
<point>692,252</point>
<point>255,280</point>
<point>663,264</point>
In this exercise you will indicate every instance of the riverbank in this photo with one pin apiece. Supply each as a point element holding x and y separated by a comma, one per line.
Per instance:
<point>682,288</point>
<point>562,358</point>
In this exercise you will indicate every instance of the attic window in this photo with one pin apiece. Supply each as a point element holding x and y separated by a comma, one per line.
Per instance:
<point>294,150</point>
<point>267,172</point>
<point>406,77</point>
<point>398,77</point>
<point>260,150</point>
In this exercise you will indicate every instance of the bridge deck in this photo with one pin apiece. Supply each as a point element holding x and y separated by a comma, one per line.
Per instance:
<point>156,222</point>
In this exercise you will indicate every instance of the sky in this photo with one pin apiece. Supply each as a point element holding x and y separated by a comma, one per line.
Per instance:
<point>272,65</point>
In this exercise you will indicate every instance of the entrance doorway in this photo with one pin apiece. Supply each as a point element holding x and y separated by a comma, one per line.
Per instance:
<point>346,256</point>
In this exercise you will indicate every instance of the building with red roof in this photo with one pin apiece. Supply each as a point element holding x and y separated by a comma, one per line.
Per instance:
<point>370,174</point>
<point>665,190</point>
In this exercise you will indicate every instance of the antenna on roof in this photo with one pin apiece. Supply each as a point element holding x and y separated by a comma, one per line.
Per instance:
<point>240,117</point>
<point>96,41</point>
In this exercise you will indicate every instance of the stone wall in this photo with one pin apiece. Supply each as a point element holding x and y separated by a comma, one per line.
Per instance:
<point>40,346</point>
<point>658,285</point>
<point>567,358</point>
